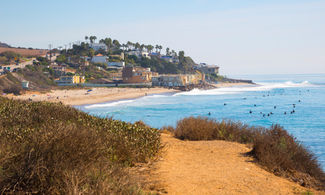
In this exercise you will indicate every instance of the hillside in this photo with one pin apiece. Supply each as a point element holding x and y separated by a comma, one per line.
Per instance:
<point>49,148</point>
<point>4,45</point>
<point>24,52</point>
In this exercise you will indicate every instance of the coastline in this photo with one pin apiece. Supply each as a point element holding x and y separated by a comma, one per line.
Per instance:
<point>77,97</point>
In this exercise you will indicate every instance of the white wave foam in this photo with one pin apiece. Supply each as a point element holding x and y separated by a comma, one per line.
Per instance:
<point>239,89</point>
<point>109,104</point>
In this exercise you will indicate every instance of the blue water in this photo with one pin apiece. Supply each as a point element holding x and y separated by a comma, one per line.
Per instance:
<point>307,92</point>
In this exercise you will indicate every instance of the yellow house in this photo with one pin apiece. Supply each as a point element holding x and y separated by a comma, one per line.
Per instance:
<point>71,80</point>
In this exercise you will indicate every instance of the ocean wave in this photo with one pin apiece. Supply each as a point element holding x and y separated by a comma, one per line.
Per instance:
<point>240,89</point>
<point>110,104</point>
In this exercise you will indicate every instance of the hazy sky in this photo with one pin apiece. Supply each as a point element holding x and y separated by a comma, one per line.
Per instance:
<point>242,36</point>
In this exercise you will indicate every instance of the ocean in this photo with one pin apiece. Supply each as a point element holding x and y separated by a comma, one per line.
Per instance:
<point>279,94</point>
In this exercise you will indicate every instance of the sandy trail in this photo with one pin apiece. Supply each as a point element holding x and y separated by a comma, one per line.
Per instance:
<point>215,167</point>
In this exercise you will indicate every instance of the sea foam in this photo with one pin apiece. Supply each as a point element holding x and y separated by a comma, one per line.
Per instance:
<point>240,89</point>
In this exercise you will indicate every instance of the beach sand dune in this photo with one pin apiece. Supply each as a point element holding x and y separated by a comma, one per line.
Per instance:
<point>215,167</point>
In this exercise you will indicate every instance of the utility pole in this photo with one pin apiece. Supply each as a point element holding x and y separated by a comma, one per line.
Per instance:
<point>50,47</point>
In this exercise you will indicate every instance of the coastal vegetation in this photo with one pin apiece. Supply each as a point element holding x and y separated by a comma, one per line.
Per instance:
<point>49,148</point>
<point>74,55</point>
<point>53,148</point>
<point>273,148</point>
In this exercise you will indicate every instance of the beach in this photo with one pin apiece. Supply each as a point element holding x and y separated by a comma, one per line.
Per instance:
<point>90,96</point>
<point>76,97</point>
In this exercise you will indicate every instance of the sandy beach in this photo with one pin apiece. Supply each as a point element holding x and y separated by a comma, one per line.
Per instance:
<point>90,96</point>
<point>76,97</point>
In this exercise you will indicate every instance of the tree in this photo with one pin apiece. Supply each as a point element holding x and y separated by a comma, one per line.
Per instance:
<point>86,38</point>
<point>167,51</point>
<point>142,47</point>
<point>181,55</point>
<point>137,45</point>
<point>108,42</point>
<point>116,44</point>
<point>60,59</point>
<point>157,47</point>
<point>129,45</point>
<point>92,39</point>
<point>150,48</point>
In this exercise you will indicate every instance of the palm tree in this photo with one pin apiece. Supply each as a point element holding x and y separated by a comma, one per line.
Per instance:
<point>129,44</point>
<point>142,47</point>
<point>92,39</point>
<point>167,51</point>
<point>137,46</point>
<point>157,47</point>
<point>116,43</point>
<point>86,38</point>
<point>160,48</point>
<point>150,48</point>
<point>108,42</point>
<point>124,46</point>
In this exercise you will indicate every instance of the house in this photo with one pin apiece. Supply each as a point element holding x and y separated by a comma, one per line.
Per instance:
<point>134,53</point>
<point>154,54</point>
<point>167,58</point>
<point>139,53</point>
<point>85,60</point>
<point>145,54</point>
<point>176,80</point>
<point>137,75</point>
<point>208,69</point>
<point>116,65</point>
<point>71,80</point>
<point>98,46</point>
<point>171,59</point>
<point>117,57</point>
<point>99,58</point>
<point>58,68</point>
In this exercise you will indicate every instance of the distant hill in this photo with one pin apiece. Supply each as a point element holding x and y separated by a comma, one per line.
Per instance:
<point>25,52</point>
<point>4,45</point>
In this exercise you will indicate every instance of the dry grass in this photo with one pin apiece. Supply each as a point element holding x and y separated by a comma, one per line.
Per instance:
<point>273,148</point>
<point>49,148</point>
<point>25,52</point>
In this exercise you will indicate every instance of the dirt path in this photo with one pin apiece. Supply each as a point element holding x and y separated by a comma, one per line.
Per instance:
<point>215,167</point>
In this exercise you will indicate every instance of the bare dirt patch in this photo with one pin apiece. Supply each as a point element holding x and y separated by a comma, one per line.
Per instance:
<point>215,167</point>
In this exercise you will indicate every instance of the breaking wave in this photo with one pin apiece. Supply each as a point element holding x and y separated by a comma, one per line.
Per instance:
<point>239,89</point>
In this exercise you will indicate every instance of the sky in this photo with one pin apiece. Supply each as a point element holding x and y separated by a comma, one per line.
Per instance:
<point>241,36</point>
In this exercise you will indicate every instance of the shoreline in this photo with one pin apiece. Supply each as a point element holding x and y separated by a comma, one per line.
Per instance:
<point>79,97</point>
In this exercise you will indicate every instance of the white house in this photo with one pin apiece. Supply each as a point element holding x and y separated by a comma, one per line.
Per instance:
<point>99,59</point>
<point>98,46</point>
<point>116,64</point>
<point>139,53</point>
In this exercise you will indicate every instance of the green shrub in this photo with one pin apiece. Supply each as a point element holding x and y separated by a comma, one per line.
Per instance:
<point>273,148</point>
<point>49,148</point>
<point>13,89</point>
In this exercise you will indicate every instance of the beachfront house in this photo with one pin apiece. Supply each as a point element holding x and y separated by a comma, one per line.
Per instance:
<point>132,74</point>
<point>208,69</point>
<point>71,80</point>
